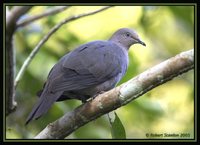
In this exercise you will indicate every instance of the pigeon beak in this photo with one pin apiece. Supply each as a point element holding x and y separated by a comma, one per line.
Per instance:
<point>140,42</point>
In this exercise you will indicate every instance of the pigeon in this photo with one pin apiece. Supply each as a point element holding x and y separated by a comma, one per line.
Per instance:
<point>87,71</point>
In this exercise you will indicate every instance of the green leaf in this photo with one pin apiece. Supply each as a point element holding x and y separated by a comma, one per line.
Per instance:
<point>117,129</point>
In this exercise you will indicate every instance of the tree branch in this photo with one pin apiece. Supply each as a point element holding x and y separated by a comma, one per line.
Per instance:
<point>44,14</point>
<point>11,19</point>
<point>119,96</point>
<point>46,37</point>
<point>14,15</point>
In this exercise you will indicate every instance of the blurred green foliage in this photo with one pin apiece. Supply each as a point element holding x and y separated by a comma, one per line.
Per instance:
<point>167,31</point>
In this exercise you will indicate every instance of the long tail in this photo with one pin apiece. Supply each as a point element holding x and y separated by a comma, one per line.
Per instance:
<point>42,106</point>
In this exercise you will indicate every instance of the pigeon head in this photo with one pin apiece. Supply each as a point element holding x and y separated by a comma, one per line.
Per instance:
<point>126,37</point>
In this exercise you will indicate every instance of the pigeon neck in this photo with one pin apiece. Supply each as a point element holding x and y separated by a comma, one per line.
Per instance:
<point>119,43</point>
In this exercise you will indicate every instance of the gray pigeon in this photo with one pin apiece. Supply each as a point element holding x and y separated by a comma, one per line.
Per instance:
<point>86,71</point>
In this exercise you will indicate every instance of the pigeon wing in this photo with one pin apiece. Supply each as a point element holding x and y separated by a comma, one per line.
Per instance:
<point>88,65</point>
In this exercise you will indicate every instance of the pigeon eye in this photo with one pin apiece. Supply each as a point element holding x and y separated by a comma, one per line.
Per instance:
<point>127,34</point>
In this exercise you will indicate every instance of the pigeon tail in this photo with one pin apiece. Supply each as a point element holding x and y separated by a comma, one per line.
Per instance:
<point>43,105</point>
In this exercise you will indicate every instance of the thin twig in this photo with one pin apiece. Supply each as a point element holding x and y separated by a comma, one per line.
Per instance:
<point>46,37</point>
<point>119,96</point>
<point>47,13</point>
